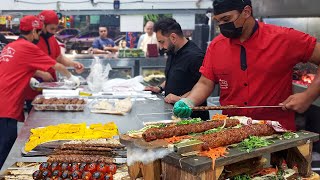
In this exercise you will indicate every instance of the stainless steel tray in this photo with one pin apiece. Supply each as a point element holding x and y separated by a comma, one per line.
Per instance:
<point>59,107</point>
<point>56,85</point>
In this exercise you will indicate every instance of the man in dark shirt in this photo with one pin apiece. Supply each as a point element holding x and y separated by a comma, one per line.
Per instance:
<point>103,44</point>
<point>183,63</point>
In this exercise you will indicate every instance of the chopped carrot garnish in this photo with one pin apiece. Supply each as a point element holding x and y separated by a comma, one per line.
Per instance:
<point>214,154</point>
<point>219,117</point>
<point>175,139</point>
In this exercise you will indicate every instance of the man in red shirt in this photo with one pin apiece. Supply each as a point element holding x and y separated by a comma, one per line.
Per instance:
<point>19,61</point>
<point>253,64</point>
<point>49,45</point>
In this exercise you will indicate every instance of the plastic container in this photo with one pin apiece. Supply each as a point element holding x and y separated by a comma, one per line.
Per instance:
<point>214,101</point>
<point>55,85</point>
<point>112,106</point>
<point>39,104</point>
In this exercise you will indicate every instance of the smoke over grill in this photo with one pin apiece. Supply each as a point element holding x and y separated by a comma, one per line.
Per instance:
<point>145,155</point>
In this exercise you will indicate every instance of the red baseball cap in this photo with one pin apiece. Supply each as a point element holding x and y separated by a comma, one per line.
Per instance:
<point>28,23</point>
<point>49,17</point>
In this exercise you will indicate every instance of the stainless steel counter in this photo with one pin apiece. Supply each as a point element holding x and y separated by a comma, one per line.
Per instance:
<point>141,111</point>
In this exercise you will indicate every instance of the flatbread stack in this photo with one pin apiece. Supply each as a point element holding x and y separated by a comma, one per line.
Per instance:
<point>20,171</point>
<point>120,107</point>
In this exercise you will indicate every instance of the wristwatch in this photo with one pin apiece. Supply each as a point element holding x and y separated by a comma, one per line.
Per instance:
<point>161,89</point>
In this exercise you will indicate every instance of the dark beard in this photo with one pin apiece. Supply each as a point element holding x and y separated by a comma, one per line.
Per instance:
<point>170,49</point>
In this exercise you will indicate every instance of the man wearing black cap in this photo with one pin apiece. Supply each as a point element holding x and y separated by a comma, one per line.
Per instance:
<point>253,64</point>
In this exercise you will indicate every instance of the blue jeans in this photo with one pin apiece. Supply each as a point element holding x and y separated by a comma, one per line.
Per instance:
<point>8,135</point>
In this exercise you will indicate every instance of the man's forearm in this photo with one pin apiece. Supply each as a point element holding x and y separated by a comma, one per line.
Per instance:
<point>201,91</point>
<point>112,49</point>
<point>185,95</point>
<point>99,51</point>
<point>313,90</point>
<point>38,73</point>
<point>62,69</point>
<point>65,61</point>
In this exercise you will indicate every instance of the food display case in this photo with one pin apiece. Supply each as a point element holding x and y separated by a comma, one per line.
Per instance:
<point>153,70</point>
<point>123,67</point>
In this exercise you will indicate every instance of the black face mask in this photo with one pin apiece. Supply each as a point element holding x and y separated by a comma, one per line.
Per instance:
<point>35,41</point>
<point>47,35</point>
<point>229,30</point>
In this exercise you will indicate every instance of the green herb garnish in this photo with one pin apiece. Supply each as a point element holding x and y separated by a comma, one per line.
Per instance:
<point>162,125</point>
<point>237,126</point>
<point>145,128</point>
<point>254,142</point>
<point>242,177</point>
<point>289,135</point>
<point>194,134</point>
<point>191,121</point>
<point>210,131</point>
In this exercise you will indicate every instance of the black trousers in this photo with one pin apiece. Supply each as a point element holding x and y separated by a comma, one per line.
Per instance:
<point>8,135</point>
<point>204,115</point>
<point>29,105</point>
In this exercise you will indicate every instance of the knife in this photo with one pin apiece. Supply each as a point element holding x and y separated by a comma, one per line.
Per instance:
<point>205,108</point>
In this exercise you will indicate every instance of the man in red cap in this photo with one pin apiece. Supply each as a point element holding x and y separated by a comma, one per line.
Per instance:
<point>253,64</point>
<point>19,61</point>
<point>48,44</point>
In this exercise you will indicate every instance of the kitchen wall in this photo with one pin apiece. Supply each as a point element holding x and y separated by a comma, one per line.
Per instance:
<point>308,25</point>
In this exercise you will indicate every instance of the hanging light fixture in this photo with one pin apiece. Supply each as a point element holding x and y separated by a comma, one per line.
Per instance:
<point>116,4</point>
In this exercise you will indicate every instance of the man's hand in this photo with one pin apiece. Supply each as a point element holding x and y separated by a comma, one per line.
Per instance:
<point>74,79</point>
<point>46,77</point>
<point>171,98</point>
<point>154,89</point>
<point>78,67</point>
<point>33,83</point>
<point>182,108</point>
<point>299,102</point>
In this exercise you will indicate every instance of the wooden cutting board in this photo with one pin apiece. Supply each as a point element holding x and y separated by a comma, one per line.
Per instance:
<point>159,143</point>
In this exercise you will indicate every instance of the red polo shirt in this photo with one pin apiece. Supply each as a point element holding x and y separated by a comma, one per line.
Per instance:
<point>271,53</point>
<point>54,52</point>
<point>19,61</point>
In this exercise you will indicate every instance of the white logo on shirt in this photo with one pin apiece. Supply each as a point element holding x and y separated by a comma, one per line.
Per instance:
<point>6,54</point>
<point>223,84</point>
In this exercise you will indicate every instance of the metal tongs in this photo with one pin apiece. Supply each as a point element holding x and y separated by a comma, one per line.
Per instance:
<point>205,108</point>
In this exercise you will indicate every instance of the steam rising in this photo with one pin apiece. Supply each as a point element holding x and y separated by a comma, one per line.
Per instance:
<point>145,155</point>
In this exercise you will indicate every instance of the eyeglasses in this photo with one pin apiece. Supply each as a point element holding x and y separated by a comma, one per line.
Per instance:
<point>103,31</point>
